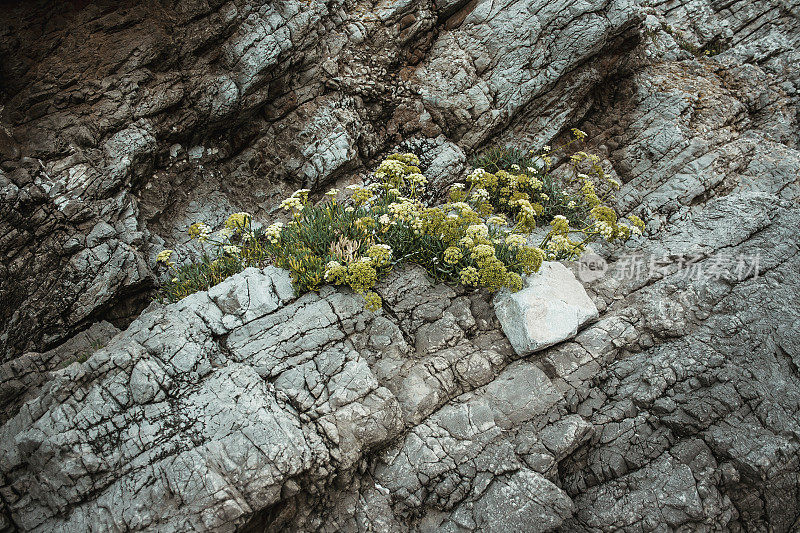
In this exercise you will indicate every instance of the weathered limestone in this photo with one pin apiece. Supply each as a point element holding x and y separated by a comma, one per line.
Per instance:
<point>246,407</point>
<point>230,106</point>
<point>549,309</point>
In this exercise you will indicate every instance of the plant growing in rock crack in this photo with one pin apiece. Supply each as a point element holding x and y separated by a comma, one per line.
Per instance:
<point>519,184</point>
<point>478,239</point>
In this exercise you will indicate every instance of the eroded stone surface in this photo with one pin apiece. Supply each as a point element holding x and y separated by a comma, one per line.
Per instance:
<point>106,158</point>
<point>676,410</point>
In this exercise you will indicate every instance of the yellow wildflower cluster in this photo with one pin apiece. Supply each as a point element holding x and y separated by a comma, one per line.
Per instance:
<point>238,221</point>
<point>479,238</point>
<point>469,276</point>
<point>452,255</point>
<point>380,253</point>
<point>296,202</point>
<point>372,302</point>
<point>293,204</point>
<point>163,257</point>
<point>459,241</point>
<point>401,172</point>
<point>361,195</point>
<point>517,193</point>
<point>578,134</point>
<point>336,273</point>
<point>361,275</point>
<point>199,231</point>
<point>273,232</point>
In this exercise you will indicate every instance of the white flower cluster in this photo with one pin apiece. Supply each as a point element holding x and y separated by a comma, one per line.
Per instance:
<point>273,232</point>
<point>200,231</point>
<point>634,230</point>
<point>533,182</point>
<point>461,206</point>
<point>417,179</point>
<point>380,253</point>
<point>476,174</point>
<point>205,232</point>
<point>390,167</point>
<point>292,204</point>
<point>232,249</point>
<point>480,194</point>
<point>403,210</point>
<point>604,228</point>
<point>331,268</point>
<point>515,240</point>
<point>478,232</point>
<point>497,220</point>
<point>301,193</point>
<point>557,244</point>
<point>525,206</point>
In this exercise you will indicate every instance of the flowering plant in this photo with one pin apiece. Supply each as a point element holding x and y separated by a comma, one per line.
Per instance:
<point>355,242</point>
<point>236,246</point>
<point>519,184</point>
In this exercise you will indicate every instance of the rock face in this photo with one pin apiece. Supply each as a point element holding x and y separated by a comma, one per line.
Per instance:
<point>550,308</point>
<point>245,407</point>
<point>145,118</point>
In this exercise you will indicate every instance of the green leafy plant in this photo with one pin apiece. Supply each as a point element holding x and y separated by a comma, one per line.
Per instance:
<point>576,205</point>
<point>355,242</point>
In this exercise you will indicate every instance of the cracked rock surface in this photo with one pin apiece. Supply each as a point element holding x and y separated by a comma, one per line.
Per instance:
<point>121,124</point>
<point>246,407</point>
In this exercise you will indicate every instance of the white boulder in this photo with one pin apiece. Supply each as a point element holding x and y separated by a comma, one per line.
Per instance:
<point>550,308</point>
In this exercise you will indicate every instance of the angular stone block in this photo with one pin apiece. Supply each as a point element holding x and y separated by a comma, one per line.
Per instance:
<point>550,308</point>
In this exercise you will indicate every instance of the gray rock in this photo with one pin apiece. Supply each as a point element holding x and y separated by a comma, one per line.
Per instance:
<point>264,98</point>
<point>21,378</point>
<point>253,294</point>
<point>250,408</point>
<point>549,309</point>
<point>163,406</point>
